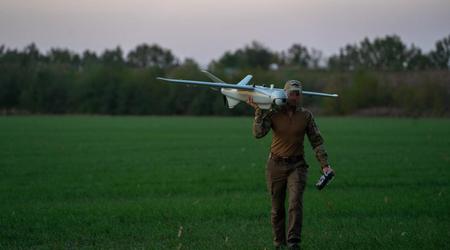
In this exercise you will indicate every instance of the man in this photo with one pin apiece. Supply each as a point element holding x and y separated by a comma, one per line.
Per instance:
<point>286,167</point>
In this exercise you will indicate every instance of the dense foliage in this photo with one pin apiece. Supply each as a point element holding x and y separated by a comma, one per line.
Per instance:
<point>381,76</point>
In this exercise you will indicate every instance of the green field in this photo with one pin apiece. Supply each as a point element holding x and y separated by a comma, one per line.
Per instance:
<point>198,183</point>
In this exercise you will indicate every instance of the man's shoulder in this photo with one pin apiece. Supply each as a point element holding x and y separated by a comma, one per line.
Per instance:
<point>305,111</point>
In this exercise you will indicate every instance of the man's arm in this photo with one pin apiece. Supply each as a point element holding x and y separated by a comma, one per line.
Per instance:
<point>316,140</point>
<point>262,123</point>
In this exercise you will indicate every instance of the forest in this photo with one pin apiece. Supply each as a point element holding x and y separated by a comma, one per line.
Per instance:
<point>375,77</point>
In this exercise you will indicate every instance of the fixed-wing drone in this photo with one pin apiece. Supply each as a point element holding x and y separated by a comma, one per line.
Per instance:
<point>262,96</point>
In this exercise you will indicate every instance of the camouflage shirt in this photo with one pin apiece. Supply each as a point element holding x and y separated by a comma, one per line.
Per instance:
<point>289,131</point>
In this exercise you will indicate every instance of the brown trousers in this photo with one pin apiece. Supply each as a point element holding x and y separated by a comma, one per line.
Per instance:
<point>282,176</point>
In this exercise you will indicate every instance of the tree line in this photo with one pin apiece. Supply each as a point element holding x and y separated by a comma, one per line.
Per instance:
<point>379,76</point>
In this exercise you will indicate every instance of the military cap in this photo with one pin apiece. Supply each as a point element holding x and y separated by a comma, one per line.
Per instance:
<point>293,85</point>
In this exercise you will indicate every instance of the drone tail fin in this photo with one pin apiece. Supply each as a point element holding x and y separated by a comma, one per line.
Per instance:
<point>246,80</point>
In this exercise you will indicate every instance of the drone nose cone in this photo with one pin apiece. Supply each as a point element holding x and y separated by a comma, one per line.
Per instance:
<point>278,97</point>
<point>280,101</point>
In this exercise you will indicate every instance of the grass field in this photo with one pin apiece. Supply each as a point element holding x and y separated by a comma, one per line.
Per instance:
<point>198,183</point>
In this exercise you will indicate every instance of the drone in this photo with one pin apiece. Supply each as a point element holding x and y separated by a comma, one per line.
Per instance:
<point>233,94</point>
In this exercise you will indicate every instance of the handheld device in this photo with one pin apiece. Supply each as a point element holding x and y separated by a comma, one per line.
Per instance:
<point>325,179</point>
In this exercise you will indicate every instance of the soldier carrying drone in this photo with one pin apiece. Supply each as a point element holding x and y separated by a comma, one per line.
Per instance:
<point>281,111</point>
<point>286,167</point>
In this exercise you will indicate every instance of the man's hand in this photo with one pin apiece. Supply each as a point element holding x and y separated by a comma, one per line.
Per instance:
<point>326,169</point>
<point>251,103</point>
<point>328,175</point>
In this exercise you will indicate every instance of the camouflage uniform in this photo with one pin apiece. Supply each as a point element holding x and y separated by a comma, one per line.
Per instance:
<point>286,166</point>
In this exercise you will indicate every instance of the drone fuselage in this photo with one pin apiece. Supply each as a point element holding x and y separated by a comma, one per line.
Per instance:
<point>262,96</point>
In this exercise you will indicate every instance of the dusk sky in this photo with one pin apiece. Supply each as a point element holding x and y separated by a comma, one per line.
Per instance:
<point>204,30</point>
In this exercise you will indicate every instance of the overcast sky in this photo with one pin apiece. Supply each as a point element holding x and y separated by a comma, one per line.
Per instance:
<point>204,30</point>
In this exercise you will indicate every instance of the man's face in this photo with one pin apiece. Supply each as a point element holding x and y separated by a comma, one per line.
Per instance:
<point>293,97</point>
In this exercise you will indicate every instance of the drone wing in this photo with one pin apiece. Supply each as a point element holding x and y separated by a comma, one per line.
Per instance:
<point>319,94</point>
<point>208,84</point>
<point>213,77</point>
